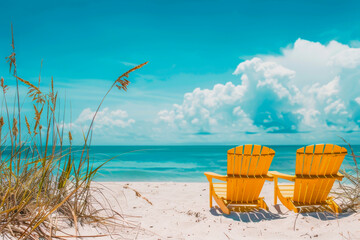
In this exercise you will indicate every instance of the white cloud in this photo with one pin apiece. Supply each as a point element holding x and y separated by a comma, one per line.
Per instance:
<point>107,123</point>
<point>105,118</point>
<point>349,58</point>
<point>357,100</point>
<point>309,87</point>
<point>326,91</point>
<point>208,109</point>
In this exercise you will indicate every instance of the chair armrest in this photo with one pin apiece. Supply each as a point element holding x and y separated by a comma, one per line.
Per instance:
<point>211,175</point>
<point>339,176</point>
<point>276,174</point>
<point>269,176</point>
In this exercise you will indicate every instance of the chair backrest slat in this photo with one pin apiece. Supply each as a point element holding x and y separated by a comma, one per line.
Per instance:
<point>314,165</point>
<point>316,161</point>
<point>267,155</point>
<point>299,161</point>
<point>247,165</point>
<point>326,159</point>
<point>307,160</point>
<point>254,160</point>
<point>246,159</point>
<point>230,162</point>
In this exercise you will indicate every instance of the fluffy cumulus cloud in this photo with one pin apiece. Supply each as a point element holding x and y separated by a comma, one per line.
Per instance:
<point>309,87</point>
<point>115,123</point>
<point>105,118</point>
<point>205,109</point>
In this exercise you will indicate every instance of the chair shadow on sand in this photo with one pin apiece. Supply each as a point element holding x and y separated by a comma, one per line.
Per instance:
<point>247,215</point>
<point>324,214</point>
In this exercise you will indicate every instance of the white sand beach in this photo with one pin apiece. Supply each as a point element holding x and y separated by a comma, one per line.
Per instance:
<point>181,211</point>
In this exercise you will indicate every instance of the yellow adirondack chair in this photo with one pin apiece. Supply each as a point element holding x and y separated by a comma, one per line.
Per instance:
<point>316,170</point>
<point>247,170</point>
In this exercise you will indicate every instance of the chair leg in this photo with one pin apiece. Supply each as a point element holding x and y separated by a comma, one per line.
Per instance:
<point>211,193</point>
<point>275,190</point>
<point>333,205</point>
<point>222,205</point>
<point>286,201</point>
<point>262,204</point>
<point>292,206</point>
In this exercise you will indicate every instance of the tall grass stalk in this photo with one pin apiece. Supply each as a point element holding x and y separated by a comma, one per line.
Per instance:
<point>349,189</point>
<point>41,181</point>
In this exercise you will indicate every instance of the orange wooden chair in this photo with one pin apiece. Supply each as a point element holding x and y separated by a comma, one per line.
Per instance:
<point>316,170</point>
<point>247,170</point>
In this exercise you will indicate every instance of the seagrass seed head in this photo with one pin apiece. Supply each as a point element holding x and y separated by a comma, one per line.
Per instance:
<point>70,137</point>
<point>28,125</point>
<point>121,82</point>
<point>3,86</point>
<point>15,130</point>
<point>1,122</point>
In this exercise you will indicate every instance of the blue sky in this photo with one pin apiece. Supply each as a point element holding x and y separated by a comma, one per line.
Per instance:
<point>85,45</point>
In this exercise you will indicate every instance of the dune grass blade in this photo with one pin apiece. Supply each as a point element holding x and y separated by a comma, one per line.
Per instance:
<point>348,193</point>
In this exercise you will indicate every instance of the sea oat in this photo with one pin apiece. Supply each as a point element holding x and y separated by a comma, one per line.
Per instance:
<point>121,82</point>
<point>29,84</point>
<point>14,128</point>
<point>12,58</point>
<point>133,69</point>
<point>1,123</point>
<point>3,86</point>
<point>348,193</point>
<point>34,91</point>
<point>70,136</point>
<point>37,118</point>
<point>12,61</point>
<point>51,94</point>
<point>28,125</point>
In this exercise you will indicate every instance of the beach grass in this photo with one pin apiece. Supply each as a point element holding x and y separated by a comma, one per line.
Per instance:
<point>348,193</point>
<point>42,183</point>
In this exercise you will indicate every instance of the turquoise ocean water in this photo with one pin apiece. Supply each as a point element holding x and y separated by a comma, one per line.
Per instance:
<point>178,163</point>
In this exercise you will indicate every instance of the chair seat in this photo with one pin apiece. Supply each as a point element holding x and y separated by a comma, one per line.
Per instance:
<point>287,191</point>
<point>220,190</point>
